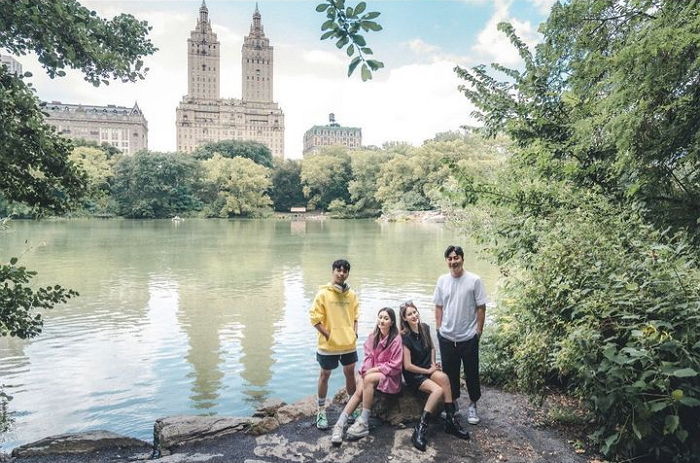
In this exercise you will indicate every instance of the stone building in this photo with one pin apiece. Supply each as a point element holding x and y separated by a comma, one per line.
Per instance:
<point>122,127</point>
<point>13,66</point>
<point>203,117</point>
<point>332,134</point>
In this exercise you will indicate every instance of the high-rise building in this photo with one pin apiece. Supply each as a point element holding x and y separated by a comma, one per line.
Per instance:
<point>122,127</point>
<point>203,116</point>
<point>13,66</point>
<point>332,134</point>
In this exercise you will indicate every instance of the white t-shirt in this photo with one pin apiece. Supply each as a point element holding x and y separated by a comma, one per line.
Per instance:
<point>459,298</point>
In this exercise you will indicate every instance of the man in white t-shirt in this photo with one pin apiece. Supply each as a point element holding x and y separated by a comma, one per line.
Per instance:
<point>460,311</point>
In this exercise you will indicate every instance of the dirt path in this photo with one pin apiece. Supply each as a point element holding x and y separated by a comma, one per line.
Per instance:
<point>509,431</point>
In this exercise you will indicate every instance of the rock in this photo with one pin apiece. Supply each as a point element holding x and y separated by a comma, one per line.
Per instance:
<point>264,426</point>
<point>269,407</point>
<point>175,431</point>
<point>400,408</point>
<point>304,408</point>
<point>75,443</point>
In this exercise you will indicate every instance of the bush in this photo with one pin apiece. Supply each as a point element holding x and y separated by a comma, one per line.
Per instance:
<point>608,308</point>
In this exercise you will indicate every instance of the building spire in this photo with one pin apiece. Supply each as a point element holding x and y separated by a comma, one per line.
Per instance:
<point>256,28</point>
<point>203,13</point>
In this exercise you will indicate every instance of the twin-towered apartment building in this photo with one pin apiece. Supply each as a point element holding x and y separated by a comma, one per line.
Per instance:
<point>202,116</point>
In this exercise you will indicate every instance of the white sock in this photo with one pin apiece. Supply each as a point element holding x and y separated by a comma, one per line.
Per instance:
<point>365,415</point>
<point>321,404</point>
<point>342,419</point>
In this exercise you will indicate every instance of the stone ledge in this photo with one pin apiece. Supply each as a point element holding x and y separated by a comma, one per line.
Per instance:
<point>77,443</point>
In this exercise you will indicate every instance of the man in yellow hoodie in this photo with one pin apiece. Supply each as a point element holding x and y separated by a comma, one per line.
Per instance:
<point>334,314</point>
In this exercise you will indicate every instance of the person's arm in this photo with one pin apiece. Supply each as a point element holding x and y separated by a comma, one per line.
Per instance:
<point>323,330</point>
<point>438,317</point>
<point>394,363</point>
<point>480,318</point>
<point>409,366</point>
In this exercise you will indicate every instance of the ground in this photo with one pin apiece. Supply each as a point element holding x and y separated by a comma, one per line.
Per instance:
<point>512,429</point>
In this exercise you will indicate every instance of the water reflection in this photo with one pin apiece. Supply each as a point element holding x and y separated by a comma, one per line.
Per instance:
<point>195,317</point>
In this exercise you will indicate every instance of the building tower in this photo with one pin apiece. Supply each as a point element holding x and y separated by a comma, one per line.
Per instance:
<point>203,59</point>
<point>256,56</point>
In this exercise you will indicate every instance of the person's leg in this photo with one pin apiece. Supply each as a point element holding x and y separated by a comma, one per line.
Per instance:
<point>442,380</point>
<point>435,394</point>
<point>361,426</point>
<point>350,406</point>
<point>470,358</point>
<point>471,375</point>
<point>327,364</point>
<point>323,377</point>
<point>350,383</point>
<point>451,364</point>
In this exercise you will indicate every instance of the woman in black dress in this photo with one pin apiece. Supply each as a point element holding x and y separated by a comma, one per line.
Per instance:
<point>422,373</point>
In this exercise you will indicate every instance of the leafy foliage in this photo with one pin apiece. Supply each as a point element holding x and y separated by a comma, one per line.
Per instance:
<point>253,150</point>
<point>98,167</point>
<point>594,219</point>
<point>286,191</point>
<point>345,24</point>
<point>237,187</point>
<point>18,301</point>
<point>325,176</point>
<point>156,185</point>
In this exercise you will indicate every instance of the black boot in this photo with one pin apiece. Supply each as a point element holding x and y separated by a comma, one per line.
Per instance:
<point>419,437</point>
<point>452,425</point>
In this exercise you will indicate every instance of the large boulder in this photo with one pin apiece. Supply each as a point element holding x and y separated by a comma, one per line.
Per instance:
<point>269,407</point>
<point>175,431</point>
<point>301,409</point>
<point>395,409</point>
<point>77,443</point>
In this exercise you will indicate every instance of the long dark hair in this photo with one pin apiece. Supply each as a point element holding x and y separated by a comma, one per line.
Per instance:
<point>393,331</point>
<point>423,333</point>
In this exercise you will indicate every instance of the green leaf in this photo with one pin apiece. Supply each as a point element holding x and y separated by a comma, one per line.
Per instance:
<point>321,7</point>
<point>373,26</point>
<point>685,373</point>
<point>367,51</point>
<point>658,406</point>
<point>671,424</point>
<point>327,34</point>
<point>374,64</point>
<point>360,7</point>
<point>342,42</point>
<point>13,261</point>
<point>327,25</point>
<point>690,401</point>
<point>353,65</point>
<point>366,73</point>
<point>372,15</point>
<point>28,74</point>
<point>351,50</point>
<point>359,40</point>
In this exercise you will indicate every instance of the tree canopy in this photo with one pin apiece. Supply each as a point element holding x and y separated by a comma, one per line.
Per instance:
<point>253,150</point>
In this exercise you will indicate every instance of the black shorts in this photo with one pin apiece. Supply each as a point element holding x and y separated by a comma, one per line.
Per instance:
<point>330,362</point>
<point>414,380</point>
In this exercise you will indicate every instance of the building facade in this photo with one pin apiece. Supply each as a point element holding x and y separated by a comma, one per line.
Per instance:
<point>122,127</point>
<point>331,134</point>
<point>203,116</point>
<point>13,66</point>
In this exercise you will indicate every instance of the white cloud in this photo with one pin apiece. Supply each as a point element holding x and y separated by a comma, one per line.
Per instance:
<point>420,47</point>
<point>543,6</point>
<point>493,45</point>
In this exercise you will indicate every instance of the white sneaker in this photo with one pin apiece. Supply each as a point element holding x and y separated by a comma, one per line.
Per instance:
<point>337,436</point>
<point>472,417</point>
<point>358,429</point>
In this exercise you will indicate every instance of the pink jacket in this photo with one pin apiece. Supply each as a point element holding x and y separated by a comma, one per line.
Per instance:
<point>389,360</point>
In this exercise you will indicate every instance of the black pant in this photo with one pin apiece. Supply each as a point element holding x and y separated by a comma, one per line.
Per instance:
<point>453,354</point>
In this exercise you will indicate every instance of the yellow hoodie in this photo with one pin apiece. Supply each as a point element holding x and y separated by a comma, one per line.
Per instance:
<point>338,311</point>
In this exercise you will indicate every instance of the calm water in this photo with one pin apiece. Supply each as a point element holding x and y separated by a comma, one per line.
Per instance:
<point>200,317</point>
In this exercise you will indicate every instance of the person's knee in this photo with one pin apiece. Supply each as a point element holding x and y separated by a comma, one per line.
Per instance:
<point>324,375</point>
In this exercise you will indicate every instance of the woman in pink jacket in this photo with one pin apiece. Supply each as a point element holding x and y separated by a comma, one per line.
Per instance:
<point>381,369</point>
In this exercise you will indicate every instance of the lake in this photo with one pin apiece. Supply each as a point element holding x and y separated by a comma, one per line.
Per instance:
<point>196,317</point>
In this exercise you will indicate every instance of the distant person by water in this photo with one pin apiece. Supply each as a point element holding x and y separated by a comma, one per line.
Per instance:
<point>381,369</point>
<point>423,373</point>
<point>334,314</point>
<point>460,311</point>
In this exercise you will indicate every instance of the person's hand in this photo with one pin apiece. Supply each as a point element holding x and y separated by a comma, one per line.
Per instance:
<point>432,369</point>
<point>438,366</point>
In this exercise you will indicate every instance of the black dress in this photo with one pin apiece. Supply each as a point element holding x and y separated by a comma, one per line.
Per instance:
<point>420,357</point>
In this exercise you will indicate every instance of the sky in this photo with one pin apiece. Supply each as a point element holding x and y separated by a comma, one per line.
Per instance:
<point>411,99</point>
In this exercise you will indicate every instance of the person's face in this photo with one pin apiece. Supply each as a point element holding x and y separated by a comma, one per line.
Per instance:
<point>455,262</point>
<point>340,275</point>
<point>383,320</point>
<point>411,316</point>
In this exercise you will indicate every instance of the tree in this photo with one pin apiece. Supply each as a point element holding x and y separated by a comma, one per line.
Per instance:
<point>286,191</point>
<point>33,158</point>
<point>325,176</point>
<point>152,185</point>
<point>253,150</point>
<point>98,167</point>
<point>239,187</point>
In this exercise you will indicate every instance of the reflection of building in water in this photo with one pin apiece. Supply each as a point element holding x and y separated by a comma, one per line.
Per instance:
<point>225,294</point>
